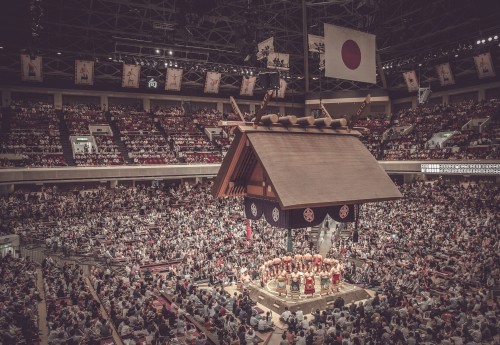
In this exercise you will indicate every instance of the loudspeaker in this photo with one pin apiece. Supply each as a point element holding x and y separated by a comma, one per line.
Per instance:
<point>274,81</point>
<point>268,80</point>
<point>355,237</point>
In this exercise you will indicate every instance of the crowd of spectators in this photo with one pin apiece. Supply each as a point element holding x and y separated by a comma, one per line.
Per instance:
<point>133,306</point>
<point>465,143</point>
<point>432,257</point>
<point>373,137</point>
<point>19,298</point>
<point>167,111</point>
<point>33,139</point>
<point>104,153</point>
<point>202,157</point>
<point>73,315</point>
<point>79,117</point>
<point>187,137</point>
<point>144,142</point>
<point>177,138</point>
<point>207,117</point>
<point>222,143</point>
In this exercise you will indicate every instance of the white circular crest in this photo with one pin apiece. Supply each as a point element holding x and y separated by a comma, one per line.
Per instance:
<point>344,211</point>
<point>253,209</point>
<point>276,214</point>
<point>308,215</point>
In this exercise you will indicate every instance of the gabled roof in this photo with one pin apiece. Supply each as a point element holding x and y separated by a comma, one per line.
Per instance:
<point>308,168</point>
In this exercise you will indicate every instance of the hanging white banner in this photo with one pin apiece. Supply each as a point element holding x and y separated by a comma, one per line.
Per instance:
<point>247,86</point>
<point>84,72</point>
<point>212,82</point>
<point>31,68</point>
<point>131,75</point>
<point>174,79</point>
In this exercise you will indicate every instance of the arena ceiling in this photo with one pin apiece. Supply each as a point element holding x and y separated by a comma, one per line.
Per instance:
<point>220,34</point>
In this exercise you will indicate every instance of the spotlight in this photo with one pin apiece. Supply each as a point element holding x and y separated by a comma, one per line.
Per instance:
<point>170,52</point>
<point>456,55</point>
<point>157,51</point>
<point>483,41</point>
<point>419,65</point>
<point>478,42</point>
<point>110,58</point>
<point>495,37</point>
<point>166,64</point>
<point>59,53</point>
<point>1,47</point>
<point>490,39</point>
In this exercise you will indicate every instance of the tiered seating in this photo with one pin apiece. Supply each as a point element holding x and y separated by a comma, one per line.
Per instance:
<point>18,299</point>
<point>34,139</point>
<point>132,307</point>
<point>79,117</point>
<point>203,157</point>
<point>72,312</point>
<point>170,111</point>
<point>145,144</point>
<point>373,138</point>
<point>451,118</point>
<point>106,153</point>
<point>433,270</point>
<point>188,138</point>
<point>207,117</point>
<point>222,143</point>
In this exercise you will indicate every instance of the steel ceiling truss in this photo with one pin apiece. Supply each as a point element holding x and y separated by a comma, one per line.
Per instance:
<point>463,68</point>
<point>226,31</point>
<point>224,34</point>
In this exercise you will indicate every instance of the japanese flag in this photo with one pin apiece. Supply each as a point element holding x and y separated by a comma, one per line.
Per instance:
<point>349,54</point>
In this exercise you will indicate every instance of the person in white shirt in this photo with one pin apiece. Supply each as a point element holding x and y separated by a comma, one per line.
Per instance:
<point>299,314</point>
<point>301,339</point>
<point>262,325</point>
<point>285,315</point>
<point>305,323</point>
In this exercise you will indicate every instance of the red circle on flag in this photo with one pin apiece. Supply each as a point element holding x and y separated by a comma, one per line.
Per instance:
<point>351,54</point>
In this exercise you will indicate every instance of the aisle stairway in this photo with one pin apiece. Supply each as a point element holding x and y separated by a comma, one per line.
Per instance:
<point>6,119</point>
<point>42,309</point>
<point>65,142</point>
<point>116,338</point>
<point>327,243</point>
<point>161,129</point>
<point>118,141</point>
<point>314,236</point>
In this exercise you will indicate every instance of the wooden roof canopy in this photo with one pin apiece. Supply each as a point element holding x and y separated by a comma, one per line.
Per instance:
<point>302,164</point>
